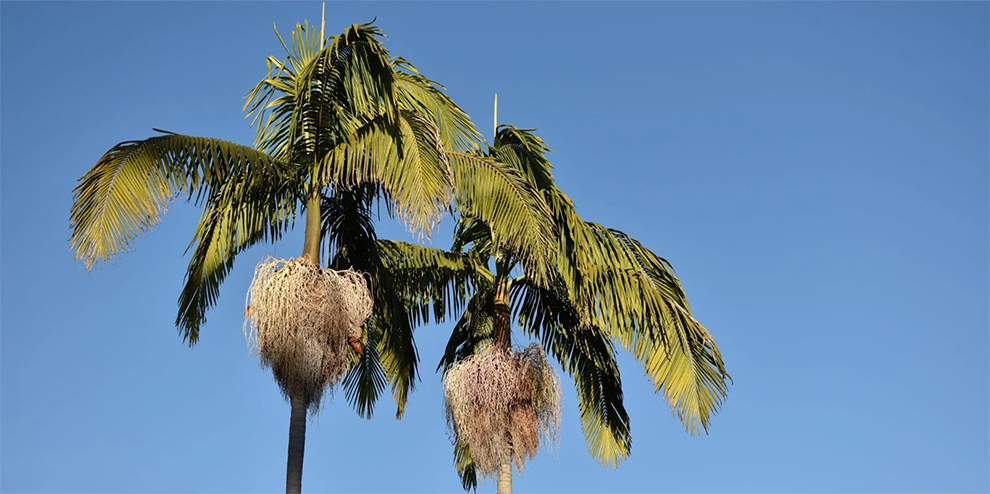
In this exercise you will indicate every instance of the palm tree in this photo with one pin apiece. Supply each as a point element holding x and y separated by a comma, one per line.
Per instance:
<point>340,124</point>
<point>607,288</point>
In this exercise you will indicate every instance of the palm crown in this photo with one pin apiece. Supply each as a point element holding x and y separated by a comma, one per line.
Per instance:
<point>606,287</point>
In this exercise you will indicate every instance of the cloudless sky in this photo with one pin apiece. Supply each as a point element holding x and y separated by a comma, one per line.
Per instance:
<point>817,173</point>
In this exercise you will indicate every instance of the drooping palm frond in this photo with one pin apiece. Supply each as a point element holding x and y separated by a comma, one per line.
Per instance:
<point>474,235</point>
<point>623,287</point>
<point>399,356</point>
<point>412,168</point>
<point>349,230</point>
<point>519,220</point>
<point>525,151</point>
<point>430,281</point>
<point>587,355</point>
<point>250,206</point>
<point>130,187</point>
<point>390,355</point>
<point>642,306</point>
<point>413,282</point>
<point>465,466</point>
<point>366,380</point>
<point>427,97</point>
<point>473,331</point>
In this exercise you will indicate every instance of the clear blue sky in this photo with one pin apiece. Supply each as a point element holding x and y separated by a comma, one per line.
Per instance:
<point>816,172</point>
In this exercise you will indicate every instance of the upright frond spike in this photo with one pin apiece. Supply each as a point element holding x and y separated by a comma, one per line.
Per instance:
<point>495,120</point>
<point>323,24</point>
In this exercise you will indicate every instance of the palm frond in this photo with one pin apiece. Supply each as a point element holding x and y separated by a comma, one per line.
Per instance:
<point>475,235</point>
<point>642,306</point>
<point>429,281</point>
<point>131,186</point>
<point>399,356</point>
<point>366,380</point>
<point>497,194</point>
<point>411,168</point>
<point>526,152</point>
<point>322,90</point>
<point>473,331</point>
<point>250,206</point>
<point>426,97</point>
<point>587,355</point>
<point>349,227</point>
<point>690,374</point>
<point>465,466</point>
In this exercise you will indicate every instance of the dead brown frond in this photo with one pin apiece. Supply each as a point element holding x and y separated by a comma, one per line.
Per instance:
<point>300,320</point>
<point>500,405</point>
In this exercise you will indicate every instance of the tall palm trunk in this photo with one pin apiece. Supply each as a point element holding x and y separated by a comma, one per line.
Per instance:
<point>504,481</point>
<point>502,336</point>
<point>502,324</point>
<point>297,446</point>
<point>297,417</point>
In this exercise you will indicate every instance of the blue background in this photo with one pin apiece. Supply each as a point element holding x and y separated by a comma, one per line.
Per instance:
<point>816,172</point>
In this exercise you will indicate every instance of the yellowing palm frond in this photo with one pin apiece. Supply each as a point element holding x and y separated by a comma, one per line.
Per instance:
<point>643,307</point>
<point>130,187</point>
<point>498,195</point>
<point>426,97</point>
<point>411,167</point>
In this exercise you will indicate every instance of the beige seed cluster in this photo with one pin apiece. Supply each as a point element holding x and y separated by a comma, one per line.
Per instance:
<point>299,319</point>
<point>500,404</point>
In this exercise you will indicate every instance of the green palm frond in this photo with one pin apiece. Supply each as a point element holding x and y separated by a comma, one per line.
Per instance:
<point>250,206</point>
<point>643,308</point>
<point>426,97</point>
<point>587,355</point>
<point>366,380</point>
<point>429,281</point>
<point>475,235</point>
<point>349,227</point>
<point>693,373</point>
<point>465,466</point>
<point>526,152</point>
<point>399,356</point>
<point>690,374</point>
<point>659,270</point>
<point>322,90</point>
<point>412,168</point>
<point>130,187</point>
<point>473,331</point>
<point>413,282</point>
<point>623,287</point>
<point>497,194</point>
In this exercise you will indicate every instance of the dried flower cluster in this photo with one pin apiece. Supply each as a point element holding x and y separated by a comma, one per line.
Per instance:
<point>500,404</point>
<point>299,319</point>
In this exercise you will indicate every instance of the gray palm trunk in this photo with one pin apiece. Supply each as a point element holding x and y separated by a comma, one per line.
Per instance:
<point>297,446</point>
